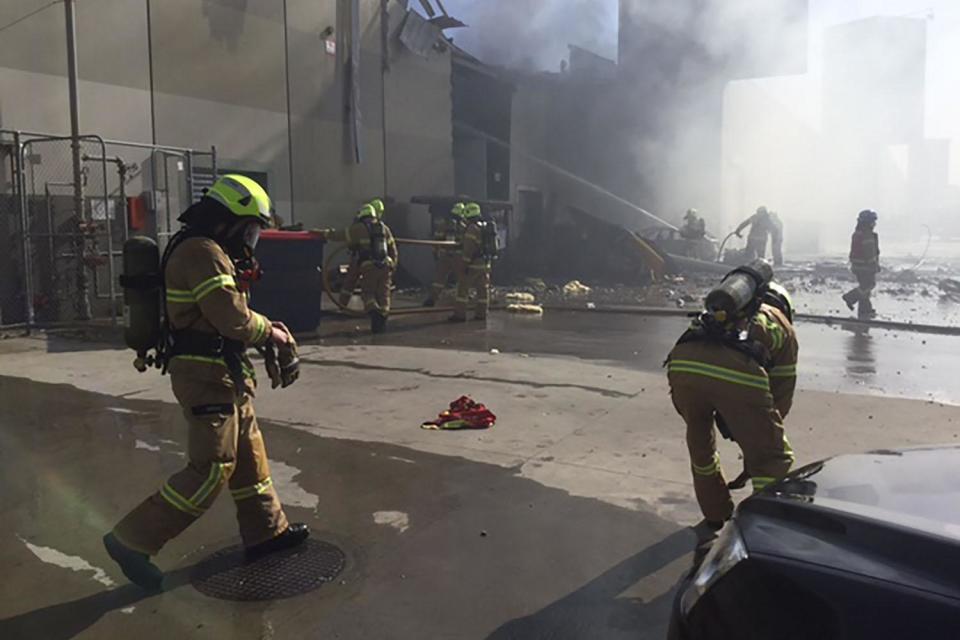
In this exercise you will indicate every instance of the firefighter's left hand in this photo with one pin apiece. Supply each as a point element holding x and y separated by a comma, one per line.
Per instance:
<point>289,363</point>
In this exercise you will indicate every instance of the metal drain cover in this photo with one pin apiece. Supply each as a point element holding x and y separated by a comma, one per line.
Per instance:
<point>228,576</point>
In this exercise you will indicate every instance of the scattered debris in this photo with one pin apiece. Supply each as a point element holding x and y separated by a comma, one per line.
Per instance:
<point>535,283</point>
<point>575,288</point>
<point>520,297</point>
<point>494,352</point>
<point>591,305</point>
<point>535,309</point>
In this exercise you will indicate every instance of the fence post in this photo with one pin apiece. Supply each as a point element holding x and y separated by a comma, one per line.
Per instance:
<point>25,232</point>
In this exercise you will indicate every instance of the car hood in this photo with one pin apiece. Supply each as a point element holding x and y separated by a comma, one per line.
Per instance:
<point>914,488</point>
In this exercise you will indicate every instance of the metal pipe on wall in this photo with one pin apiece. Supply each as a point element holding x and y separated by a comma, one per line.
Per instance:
<point>83,297</point>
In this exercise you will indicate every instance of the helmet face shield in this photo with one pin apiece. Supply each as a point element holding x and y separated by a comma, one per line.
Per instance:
<point>251,236</point>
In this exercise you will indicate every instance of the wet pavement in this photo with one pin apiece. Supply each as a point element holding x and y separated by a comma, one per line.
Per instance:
<point>563,521</point>
<point>436,546</point>
<point>844,357</point>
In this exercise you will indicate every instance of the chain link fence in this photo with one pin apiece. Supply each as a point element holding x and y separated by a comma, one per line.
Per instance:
<point>61,247</point>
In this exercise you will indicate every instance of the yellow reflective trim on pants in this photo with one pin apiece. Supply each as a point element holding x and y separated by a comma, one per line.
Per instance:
<point>211,284</point>
<point>253,490</point>
<point>178,502</point>
<point>708,470</point>
<point>719,373</point>
<point>761,482</point>
<point>784,371</point>
<point>213,479</point>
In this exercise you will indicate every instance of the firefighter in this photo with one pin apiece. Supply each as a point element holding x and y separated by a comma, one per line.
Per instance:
<point>760,227</point>
<point>373,261</point>
<point>736,366</point>
<point>864,263</point>
<point>449,228</point>
<point>208,328</point>
<point>474,268</point>
<point>694,227</point>
<point>776,238</point>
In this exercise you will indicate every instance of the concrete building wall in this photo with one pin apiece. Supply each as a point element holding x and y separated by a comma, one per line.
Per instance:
<point>220,70</point>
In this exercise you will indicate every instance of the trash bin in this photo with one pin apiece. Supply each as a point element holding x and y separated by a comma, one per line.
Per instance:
<point>291,286</point>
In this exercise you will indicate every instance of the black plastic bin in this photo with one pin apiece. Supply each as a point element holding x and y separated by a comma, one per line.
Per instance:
<point>291,287</point>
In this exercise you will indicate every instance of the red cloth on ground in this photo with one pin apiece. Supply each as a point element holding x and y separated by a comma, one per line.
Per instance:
<point>464,413</point>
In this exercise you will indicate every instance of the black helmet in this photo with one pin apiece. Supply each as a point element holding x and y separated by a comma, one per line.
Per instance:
<point>867,215</point>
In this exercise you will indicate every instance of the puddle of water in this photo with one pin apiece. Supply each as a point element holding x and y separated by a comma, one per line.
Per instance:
<point>396,519</point>
<point>140,444</point>
<point>291,493</point>
<point>74,563</point>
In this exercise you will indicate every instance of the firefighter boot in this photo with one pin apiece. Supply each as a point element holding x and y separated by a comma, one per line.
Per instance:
<point>292,536</point>
<point>851,297</point>
<point>135,565</point>
<point>378,322</point>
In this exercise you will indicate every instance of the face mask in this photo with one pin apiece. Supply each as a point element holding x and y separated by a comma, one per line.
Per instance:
<point>251,235</point>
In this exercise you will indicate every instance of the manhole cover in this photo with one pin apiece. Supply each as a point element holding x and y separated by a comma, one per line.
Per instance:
<point>227,576</point>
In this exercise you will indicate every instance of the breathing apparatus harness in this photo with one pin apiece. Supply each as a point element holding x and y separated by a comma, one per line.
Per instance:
<point>738,296</point>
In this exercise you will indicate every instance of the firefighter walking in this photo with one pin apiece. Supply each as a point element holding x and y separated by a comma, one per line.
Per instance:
<point>373,261</point>
<point>864,263</point>
<point>450,228</point>
<point>736,365</point>
<point>474,272</point>
<point>209,327</point>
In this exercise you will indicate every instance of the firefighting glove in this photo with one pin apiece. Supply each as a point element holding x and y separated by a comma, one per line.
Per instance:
<point>271,360</point>
<point>289,363</point>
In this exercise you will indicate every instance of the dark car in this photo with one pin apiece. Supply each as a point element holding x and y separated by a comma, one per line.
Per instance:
<point>857,546</point>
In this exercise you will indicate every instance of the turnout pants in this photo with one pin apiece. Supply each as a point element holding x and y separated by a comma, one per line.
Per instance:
<point>350,280</point>
<point>375,287</point>
<point>473,277</point>
<point>866,282</point>
<point>446,266</point>
<point>756,246</point>
<point>224,448</point>
<point>708,378</point>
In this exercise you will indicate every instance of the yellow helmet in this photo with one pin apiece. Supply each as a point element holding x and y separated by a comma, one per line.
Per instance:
<point>471,210</point>
<point>243,197</point>
<point>378,206</point>
<point>457,209</point>
<point>366,211</point>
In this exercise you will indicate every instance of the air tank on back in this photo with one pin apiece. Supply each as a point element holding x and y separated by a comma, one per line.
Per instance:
<point>141,294</point>
<point>738,289</point>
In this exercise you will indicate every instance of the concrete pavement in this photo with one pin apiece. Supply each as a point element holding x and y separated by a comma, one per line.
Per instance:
<point>582,488</point>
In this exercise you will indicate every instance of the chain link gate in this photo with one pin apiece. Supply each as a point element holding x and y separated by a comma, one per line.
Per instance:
<point>62,261</point>
<point>69,248</point>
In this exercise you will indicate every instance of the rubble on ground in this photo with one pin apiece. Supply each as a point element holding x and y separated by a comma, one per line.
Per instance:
<point>515,307</point>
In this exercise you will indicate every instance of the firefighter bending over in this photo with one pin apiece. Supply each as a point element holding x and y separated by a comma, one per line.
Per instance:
<point>207,329</point>
<point>373,261</point>
<point>480,247</point>
<point>736,366</point>
<point>450,228</point>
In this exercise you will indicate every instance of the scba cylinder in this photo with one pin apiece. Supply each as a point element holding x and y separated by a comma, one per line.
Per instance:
<point>141,294</point>
<point>739,289</point>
